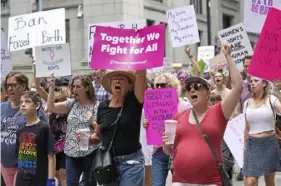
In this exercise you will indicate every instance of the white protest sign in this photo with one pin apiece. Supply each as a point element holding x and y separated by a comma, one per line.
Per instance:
<point>255,12</point>
<point>183,26</point>
<point>6,64</point>
<point>53,59</point>
<point>138,24</point>
<point>234,137</point>
<point>36,29</point>
<point>237,37</point>
<point>167,65</point>
<point>205,53</point>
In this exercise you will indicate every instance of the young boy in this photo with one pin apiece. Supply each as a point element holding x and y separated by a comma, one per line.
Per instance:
<point>35,146</point>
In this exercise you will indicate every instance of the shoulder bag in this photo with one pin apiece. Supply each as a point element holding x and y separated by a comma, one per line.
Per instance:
<point>224,176</point>
<point>105,168</point>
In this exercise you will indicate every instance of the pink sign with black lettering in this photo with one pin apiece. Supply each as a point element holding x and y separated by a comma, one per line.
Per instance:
<point>128,49</point>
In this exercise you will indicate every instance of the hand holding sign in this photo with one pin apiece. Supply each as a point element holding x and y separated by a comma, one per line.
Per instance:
<point>226,49</point>
<point>277,85</point>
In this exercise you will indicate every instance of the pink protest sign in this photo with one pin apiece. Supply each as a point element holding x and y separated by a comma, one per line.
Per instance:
<point>128,49</point>
<point>266,62</point>
<point>159,105</point>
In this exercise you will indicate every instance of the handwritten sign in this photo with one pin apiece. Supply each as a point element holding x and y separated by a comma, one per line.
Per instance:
<point>266,62</point>
<point>255,12</point>
<point>138,24</point>
<point>218,62</point>
<point>6,64</point>
<point>128,49</point>
<point>36,29</point>
<point>159,105</point>
<point>234,137</point>
<point>237,37</point>
<point>206,53</point>
<point>183,26</point>
<point>53,59</point>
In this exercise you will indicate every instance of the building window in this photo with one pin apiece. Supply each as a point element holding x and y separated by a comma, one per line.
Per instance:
<point>150,22</point>
<point>67,31</point>
<point>198,6</point>
<point>226,21</point>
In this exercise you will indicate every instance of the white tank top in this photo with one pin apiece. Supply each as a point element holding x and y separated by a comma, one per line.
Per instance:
<point>261,119</point>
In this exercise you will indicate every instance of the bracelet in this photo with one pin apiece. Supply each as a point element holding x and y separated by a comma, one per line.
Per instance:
<point>191,56</point>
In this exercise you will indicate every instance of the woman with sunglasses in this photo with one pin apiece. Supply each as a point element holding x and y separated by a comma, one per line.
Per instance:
<point>16,83</point>
<point>182,75</point>
<point>194,162</point>
<point>160,161</point>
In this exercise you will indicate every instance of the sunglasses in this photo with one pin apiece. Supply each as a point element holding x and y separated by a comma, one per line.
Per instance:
<point>161,85</point>
<point>195,86</point>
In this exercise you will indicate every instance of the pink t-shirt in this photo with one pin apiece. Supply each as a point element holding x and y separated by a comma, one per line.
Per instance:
<point>194,162</point>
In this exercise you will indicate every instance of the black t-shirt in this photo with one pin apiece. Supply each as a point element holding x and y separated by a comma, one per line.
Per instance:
<point>128,128</point>
<point>34,143</point>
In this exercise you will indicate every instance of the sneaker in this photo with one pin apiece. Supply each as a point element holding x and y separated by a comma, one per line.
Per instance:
<point>239,177</point>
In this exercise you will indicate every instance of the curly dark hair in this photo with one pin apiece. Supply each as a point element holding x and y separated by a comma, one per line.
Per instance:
<point>20,78</point>
<point>87,84</point>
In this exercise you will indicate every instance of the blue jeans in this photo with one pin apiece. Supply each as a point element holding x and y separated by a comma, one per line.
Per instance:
<point>76,166</point>
<point>160,168</point>
<point>131,169</point>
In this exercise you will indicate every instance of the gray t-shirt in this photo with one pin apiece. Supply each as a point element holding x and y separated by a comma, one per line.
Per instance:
<point>77,119</point>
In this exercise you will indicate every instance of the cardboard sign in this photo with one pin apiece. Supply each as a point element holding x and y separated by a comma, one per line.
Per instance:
<point>128,49</point>
<point>237,37</point>
<point>6,64</point>
<point>36,29</point>
<point>138,24</point>
<point>218,62</point>
<point>53,59</point>
<point>183,26</point>
<point>266,62</point>
<point>234,137</point>
<point>205,53</point>
<point>159,105</point>
<point>255,12</point>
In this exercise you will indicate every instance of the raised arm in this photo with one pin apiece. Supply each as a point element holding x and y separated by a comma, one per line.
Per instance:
<point>193,62</point>
<point>60,107</point>
<point>231,100</point>
<point>277,89</point>
<point>140,85</point>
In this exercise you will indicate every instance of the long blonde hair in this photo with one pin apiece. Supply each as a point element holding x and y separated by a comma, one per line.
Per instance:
<point>171,80</point>
<point>266,91</point>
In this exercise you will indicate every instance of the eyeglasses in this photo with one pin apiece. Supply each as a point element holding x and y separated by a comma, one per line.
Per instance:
<point>161,85</point>
<point>182,78</point>
<point>196,86</point>
<point>12,85</point>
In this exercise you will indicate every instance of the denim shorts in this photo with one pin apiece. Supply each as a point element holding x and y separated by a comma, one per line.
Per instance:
<point>131,169</point>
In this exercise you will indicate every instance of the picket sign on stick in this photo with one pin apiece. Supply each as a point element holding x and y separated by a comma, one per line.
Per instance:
<point>182,24</point>
<point>6,64</point>
<point>36,29</point>
<point>266,62</point>
<point>255,12</point>
<point>128,49</point>
<point>53,59</point>
<point>137,24</point>
<point>218,62</point>
<point>237,37</point>
<point>159,105</point>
